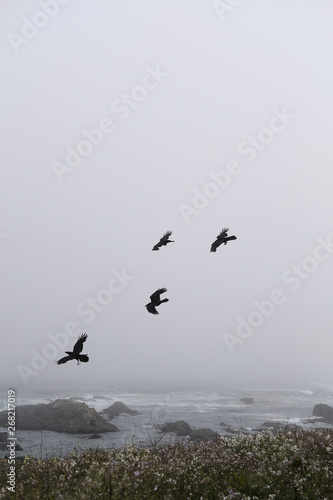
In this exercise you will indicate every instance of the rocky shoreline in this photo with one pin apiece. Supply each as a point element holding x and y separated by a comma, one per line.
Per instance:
<point>62,415</point>
<point>73,417</point>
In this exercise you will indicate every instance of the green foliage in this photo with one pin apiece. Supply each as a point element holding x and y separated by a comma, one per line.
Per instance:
<point>284,465</point>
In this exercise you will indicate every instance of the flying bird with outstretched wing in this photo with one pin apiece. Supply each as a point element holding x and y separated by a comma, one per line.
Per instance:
<point>155,300</point>
<point>222,238</point>
<point>163,241</point>
<point>77,349</point>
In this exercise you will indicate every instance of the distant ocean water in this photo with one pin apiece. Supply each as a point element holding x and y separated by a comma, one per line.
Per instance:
<point>200,407</point>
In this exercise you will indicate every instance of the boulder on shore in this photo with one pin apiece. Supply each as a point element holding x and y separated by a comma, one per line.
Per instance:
<point>248,401</point>
<point>324,411</point>
<point>62,415</point>
<point>119,408</point>
<point>203,435</point>
<point>4,447</point>
<point>182,428</point>
<point>3,437</point>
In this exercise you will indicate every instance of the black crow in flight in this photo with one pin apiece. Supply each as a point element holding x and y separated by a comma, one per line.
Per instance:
<point>76,352</point>
<point>163,241</point>
<point>155,300</point>
<point>222,238</point>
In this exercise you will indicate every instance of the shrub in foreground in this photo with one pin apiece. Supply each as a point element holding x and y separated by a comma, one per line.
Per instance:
<point>284,465</point>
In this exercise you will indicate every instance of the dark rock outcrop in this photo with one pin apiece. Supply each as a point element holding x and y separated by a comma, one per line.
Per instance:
<point>119,408</point>
<point>324,411</point>
<point>4,447</point>
<point>182,428</point>
<point>248,401</point>
<point>203,435</point>
<point>95,436</point>
<point>62,415</point>
<point>3,437</point>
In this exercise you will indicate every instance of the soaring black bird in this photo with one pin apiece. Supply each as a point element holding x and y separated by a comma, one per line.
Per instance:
<point>76,352</point>
<point>155,300</point>
<point>222,238</point>
<point>163,241</point>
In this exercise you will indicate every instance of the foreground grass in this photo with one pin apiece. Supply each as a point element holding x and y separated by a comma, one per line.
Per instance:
<point>293,464</point>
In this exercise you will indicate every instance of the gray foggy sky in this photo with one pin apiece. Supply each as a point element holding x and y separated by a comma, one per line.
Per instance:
<point>121,120</point>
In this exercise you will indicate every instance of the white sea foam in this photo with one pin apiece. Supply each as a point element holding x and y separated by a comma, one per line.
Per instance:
<point>307,392</point>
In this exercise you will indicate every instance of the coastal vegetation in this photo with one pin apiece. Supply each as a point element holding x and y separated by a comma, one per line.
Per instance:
<point>283,465</point>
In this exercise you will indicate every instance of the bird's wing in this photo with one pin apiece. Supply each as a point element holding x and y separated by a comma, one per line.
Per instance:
<point>156,295</point>
<point>151,309</point>
<point>79,344</point>
<point>229,238</point>
<point>64,360</point>
<point>223,234</point>
<point>165,236</point>
<point>215,245</point>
